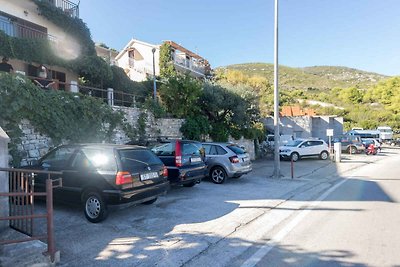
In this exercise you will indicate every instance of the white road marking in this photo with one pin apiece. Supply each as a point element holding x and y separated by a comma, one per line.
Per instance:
<point>264,250</point>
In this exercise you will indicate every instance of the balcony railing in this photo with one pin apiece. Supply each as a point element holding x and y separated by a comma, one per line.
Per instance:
<point>190,65</point>
<point>140,66</point>
<point>68,7</point>
<point>17,30</point>
<point>112,97</point>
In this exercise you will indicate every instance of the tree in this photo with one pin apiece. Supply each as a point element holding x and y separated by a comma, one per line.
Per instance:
<point>180,95</point>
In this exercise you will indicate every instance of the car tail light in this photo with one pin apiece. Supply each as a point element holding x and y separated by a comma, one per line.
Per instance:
<point>234,159</point>
<point>165,171</point>
<point>123,178</point>
<point>178,154</point>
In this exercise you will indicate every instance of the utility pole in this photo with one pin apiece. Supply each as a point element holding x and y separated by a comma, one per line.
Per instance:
<point>277,163</point>
<point>154,76</point>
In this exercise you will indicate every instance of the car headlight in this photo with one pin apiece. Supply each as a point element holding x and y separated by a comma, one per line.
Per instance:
<point>285,151</point>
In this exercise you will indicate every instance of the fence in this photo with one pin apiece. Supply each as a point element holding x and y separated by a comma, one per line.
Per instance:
<point>21,203</point>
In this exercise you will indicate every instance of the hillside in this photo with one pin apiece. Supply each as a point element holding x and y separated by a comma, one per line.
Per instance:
<point>317,77</point>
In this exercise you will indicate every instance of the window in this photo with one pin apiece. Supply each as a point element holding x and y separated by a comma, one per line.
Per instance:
<point>58,158</point>
<point>220,150</point>
<point>236,149</point>
<point>191,149</point>
<point>138,160</point>
<point>101,158</point>
<point>164,150</point>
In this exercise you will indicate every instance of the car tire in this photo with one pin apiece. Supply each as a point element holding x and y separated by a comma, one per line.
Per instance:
<point>294,156</point>
<point>324,155</point>
<point>190,184</point>
<point>218,175</point>
<point>149,202</point>
<point>94,207</point>
<point>352,150</point>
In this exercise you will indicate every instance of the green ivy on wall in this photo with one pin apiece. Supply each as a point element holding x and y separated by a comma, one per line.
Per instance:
<point>167,68</point>
<point>60,115</point>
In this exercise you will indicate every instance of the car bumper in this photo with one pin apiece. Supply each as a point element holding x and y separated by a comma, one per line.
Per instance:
<point>236,171</point>
<point>178,176</point>
<point>136,195</point>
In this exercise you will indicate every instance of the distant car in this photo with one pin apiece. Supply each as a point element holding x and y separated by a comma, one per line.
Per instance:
<point>100,174</point>
<point>184,160</point>
<point>301,148</point>
<point>351,146</point>
<point>225,160</point>
<point>395,142</point>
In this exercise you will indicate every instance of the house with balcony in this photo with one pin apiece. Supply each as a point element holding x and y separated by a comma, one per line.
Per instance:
<point>106,53</point>
<point>138,59</point>
<point>22,20</point>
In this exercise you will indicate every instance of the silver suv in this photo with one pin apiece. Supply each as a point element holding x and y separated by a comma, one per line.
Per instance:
<point>226,160</point>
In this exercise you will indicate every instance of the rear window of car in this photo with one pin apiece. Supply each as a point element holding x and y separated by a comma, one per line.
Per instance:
<point>191,149</point>
<point>236,149</point>
<point>167,149</point>
<point>138,159</point>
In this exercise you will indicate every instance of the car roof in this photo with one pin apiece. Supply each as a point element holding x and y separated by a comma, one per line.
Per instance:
<point>102,145</point>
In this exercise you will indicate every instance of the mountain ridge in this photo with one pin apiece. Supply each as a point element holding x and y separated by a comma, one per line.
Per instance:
<point>313,77</point>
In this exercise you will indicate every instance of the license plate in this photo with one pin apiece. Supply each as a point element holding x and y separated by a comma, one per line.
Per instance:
<point>148,176</point>
<point>195,159</point>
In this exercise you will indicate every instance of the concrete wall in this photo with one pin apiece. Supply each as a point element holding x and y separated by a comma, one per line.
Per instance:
<point>4,139</point>
<point>307,126</point>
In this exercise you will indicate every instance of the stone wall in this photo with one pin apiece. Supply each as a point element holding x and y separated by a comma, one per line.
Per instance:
<point>34,145</point>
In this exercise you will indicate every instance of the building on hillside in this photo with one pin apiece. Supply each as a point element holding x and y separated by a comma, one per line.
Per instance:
<point>22,19</point>
<point>137,60</point>
<point>297,111</point>
<point>107,54</point>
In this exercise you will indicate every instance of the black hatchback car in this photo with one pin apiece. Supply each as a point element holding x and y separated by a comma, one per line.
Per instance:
<point>184,160</point>
<point>100,174</point>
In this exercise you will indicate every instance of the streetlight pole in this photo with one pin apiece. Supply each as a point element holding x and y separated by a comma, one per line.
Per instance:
<point>277,163</point>
<point>154,76</point>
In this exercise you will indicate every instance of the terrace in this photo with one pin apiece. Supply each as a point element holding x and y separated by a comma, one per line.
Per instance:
<point>68,7</point>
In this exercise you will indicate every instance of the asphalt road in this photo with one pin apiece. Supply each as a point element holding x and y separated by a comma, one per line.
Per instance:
<point>354,223</point>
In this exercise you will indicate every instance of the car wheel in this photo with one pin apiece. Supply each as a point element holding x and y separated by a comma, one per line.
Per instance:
<point>150,201</point>
<point>294,156</point>
<point>191,184</point>
<point>352,150</point>
<point>324,155</point>
<point>218,175</point>
<point>95,208</point>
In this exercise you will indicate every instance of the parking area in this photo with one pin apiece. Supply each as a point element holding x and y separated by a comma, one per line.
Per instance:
<point>183,223</point>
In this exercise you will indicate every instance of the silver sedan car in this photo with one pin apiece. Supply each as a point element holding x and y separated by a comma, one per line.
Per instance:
<point>226,160</point>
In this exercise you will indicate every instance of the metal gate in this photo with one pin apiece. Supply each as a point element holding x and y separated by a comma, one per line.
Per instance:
<point>21,203</point>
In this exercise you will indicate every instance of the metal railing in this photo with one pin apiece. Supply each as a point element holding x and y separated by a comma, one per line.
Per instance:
<point>21,205</point>
<point>116,98</point>
<point>68,7</point>
<point>21,31</point>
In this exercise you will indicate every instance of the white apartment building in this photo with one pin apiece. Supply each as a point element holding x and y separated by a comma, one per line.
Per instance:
<point>137,60</point>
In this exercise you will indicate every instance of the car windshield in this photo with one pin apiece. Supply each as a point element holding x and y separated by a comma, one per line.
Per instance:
<point>293,143</point>
<point>236,149</point>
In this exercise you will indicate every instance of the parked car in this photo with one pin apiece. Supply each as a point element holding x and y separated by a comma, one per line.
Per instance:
<point>184,160</point>
<point>225,160</point>
<point>351,146</point>
<point>395,142</point>
<point>300,148</point>
<point>97,175</point>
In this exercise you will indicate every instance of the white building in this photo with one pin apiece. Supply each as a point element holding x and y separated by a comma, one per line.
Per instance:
<point>137,60</point>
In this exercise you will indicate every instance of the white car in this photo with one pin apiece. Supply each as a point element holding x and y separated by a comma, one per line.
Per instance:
<point>299,148</point>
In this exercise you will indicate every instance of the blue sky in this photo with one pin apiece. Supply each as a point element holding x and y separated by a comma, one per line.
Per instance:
<point>362,34</point>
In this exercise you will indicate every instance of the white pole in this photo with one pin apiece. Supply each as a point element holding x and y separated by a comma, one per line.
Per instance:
<point>277,163</point>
